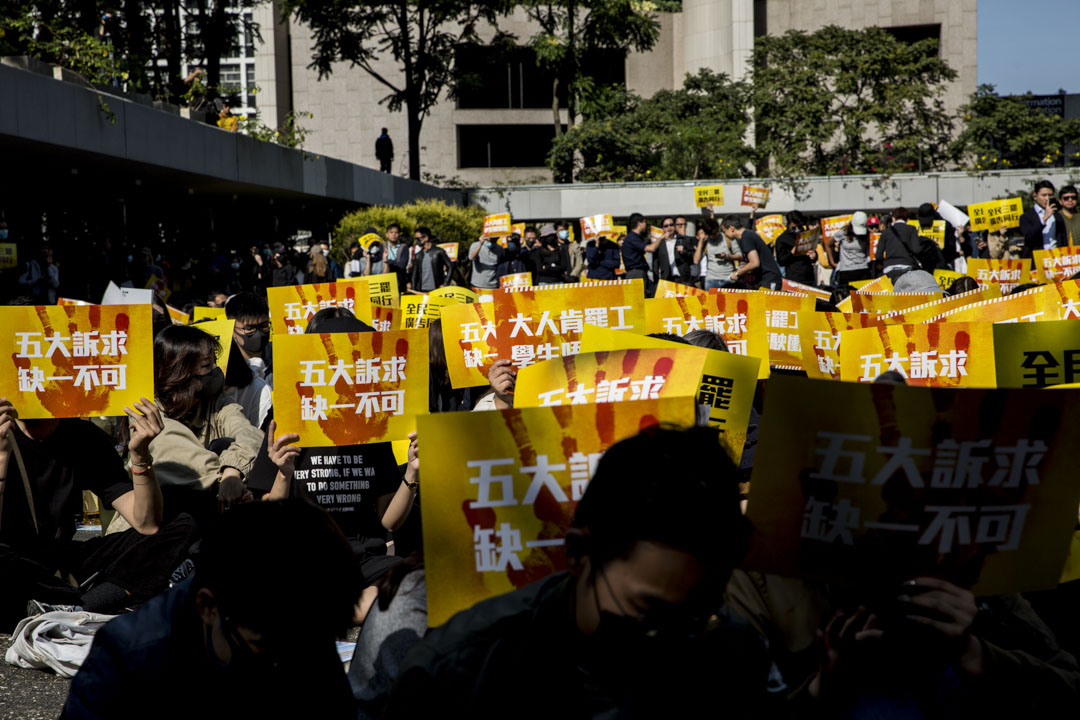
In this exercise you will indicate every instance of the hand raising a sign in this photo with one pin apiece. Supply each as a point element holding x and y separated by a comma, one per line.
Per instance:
<point>948,612</point>
<point>7,427</point>
<point>145,423</point>
<point>503,378</point>
<point>283,454</point>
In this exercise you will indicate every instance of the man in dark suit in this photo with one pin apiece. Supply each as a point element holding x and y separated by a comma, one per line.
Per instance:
<point>1042,226</point>
<point>672,260</point>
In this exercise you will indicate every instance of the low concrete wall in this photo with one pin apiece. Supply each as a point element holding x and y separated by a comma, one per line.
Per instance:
<point>835,195</point>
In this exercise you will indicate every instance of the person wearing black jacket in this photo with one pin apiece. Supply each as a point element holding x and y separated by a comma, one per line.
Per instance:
<point>431,266</point>
<point>282,273</point>
<point>673,259</point>
<point>602,258</point>
<point>898,246</point>
<point>551,262</point>
<point>1042,226</point>
<point>797,268</point>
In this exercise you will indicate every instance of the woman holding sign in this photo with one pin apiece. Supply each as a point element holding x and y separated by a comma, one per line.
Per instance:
<point>207,446</point>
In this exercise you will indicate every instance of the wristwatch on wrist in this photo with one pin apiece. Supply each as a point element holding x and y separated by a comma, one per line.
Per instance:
<point>411,485</point>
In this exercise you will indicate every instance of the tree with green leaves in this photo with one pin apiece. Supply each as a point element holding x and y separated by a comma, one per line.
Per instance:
<point>572,31</point>
<point>698,131</point>
<point>1003,132</point>
<point>839,101</point>
<point>421,37</point>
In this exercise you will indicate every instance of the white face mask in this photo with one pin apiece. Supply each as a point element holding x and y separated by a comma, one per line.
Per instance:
<point>326,253</point>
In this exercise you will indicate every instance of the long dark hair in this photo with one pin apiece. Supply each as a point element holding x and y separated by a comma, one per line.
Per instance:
<point>178,352</point>
<point>391,582</point>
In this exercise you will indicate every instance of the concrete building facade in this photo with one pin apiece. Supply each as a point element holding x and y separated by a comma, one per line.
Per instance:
<point>501,136</point>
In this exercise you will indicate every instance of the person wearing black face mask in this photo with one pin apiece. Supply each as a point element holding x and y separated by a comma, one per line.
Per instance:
<point>232,640</point>
<point>252,332</point>
<point>551,261</point>
<point>207,446</point>
<point>636,627</point>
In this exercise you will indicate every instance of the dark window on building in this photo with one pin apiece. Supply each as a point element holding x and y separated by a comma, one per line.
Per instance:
<point>500,146</point>
<point>491,78</point>
<point>911,34</point>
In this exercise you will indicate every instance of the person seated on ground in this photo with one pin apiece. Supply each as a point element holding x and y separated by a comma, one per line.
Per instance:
<point>500,396</point>
<point>252,332</point>
<point>917,281</point>
<point>963,285</point>
<point>635,626</point>
<point>442,396</point>
<point>246,390</point>
<point>250,635</point>
<point>56,460</point>
<point>366,509</point>
<point>207,446</point>
<point>396,622</point>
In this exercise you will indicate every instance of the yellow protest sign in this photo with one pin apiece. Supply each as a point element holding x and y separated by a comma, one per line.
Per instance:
<point>451,250</point>
<point>469,342</point>
<point>158,285</point>
<point>669,289</point>
<point>208,313</point>
<point>1072,562</point>
<point>795,287</point>
<point>178,317</point>
<point>655,233</point>
<point>496,509</point>
<point>993,214</point>
<point>69,301</point>
<point>519,230</point>
<point>931,354</point>
<point>770,227</point>
<point>807,240</point>
<point>875,237</point>
<point>727,384</point>
<point>541,323</point>
<point>820,334</point>
<point>76,360</point>
<point>418,310</point>
<point>927,311</point>
<point>384,319</point>
<point>291,307</point>
<point>615,233</point>
<point>1002,272</point>
<point>885,303</point>
<point>945,278</point>
<point>610,377</point>
<point>752,195</point>
<point>594,226</point>
<point>368,239</point>
<point>1060,301</point>
<point>878,285</point>
<point>350,388</point>
<point>706,195</point>
<point>496,225</point>
<point>222,330</point>
<point>516,280</point>
<point>977,487</point>
<point>455,293</point>
<point>830,225</point>
<point>1057,264</point>
<point>935,232</point>
<point>382,289</point>
<point>782,313</point>
<point>736,316</point>
<point>9,256</point>
<point>1037,354</point>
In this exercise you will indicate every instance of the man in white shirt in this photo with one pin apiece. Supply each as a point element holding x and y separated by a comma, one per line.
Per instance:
<point>673,258</point>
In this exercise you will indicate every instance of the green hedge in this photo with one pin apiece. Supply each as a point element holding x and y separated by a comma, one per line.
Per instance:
<point>448,223</point>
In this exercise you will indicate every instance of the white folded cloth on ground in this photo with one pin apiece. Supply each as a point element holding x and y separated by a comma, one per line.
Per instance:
<point>57,641</point>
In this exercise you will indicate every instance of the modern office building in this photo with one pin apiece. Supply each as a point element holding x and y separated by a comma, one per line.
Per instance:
<point>500,131</point>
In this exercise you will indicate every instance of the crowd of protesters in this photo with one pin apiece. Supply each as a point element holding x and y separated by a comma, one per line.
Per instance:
<point>230,584</point>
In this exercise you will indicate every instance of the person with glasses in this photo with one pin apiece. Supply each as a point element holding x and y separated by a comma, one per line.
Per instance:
<point>636,626</point>
<point>432,268</point>
<point>251,332</point>
<point>674,258</point>
<point>1070,214</point>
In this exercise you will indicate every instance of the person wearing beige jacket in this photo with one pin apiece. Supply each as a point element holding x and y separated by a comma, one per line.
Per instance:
<point>207,446</point>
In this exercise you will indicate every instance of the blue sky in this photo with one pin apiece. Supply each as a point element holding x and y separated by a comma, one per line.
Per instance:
<point>1029,46</point>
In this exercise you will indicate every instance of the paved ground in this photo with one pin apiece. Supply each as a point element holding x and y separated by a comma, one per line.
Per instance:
<point>29,694</point>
